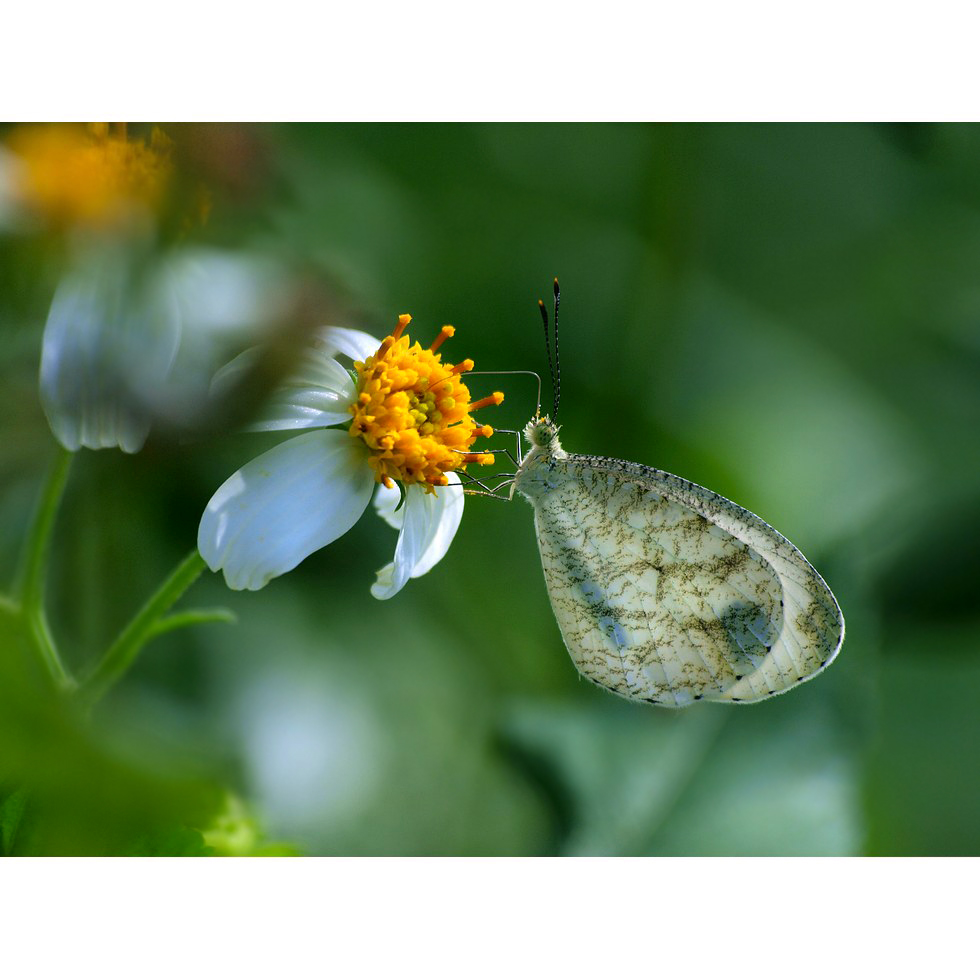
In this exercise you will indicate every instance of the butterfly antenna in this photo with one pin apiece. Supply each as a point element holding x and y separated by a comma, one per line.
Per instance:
<point>547,346</point>
<point>557,375</point>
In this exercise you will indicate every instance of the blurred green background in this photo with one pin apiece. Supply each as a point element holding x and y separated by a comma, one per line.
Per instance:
<point>788,314</point>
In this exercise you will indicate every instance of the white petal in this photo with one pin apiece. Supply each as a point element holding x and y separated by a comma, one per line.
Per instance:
<point>318,394</point>
<point>386,499</point>
<point>108,346</point>
<point>225,292</point>
<point>230,375</point>
<point>227,300</point>
<point>355,344</point>
<point>429,525</point>
<point>284,505</point>
<point>450,507</point>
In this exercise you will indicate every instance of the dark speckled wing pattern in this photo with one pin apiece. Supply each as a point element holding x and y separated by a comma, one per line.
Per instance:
<point>669,593</point>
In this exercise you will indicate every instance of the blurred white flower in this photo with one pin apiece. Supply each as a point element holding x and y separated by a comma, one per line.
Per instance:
<point>110,339</point>
<point>132,337</point>
<point>226,300</point>
<point>411,423</point>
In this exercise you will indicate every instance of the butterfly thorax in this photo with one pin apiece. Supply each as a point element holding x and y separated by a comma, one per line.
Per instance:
<point>533,475</point>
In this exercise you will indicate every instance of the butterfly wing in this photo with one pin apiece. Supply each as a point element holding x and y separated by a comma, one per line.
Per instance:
<point>669,593</point>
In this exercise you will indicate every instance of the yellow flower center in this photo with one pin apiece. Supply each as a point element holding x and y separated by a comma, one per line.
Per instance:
<point>75,175</point>
<point>413,412</point>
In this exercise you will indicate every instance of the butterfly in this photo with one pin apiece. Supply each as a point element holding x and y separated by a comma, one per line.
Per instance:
<point>667,592</point>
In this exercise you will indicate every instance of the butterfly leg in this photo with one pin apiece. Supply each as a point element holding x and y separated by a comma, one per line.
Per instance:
<point>484,491</point>
<point>518,457</point>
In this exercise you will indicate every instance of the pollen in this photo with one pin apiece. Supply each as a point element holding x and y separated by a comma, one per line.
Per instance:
<point>88,175</point>
<point>414,411</point>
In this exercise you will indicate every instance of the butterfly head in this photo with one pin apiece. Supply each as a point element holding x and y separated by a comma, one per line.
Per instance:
<point>542,433</point>
<point>531,477</point>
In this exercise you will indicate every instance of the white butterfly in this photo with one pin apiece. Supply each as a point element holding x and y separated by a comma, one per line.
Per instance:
<point>667,592</point>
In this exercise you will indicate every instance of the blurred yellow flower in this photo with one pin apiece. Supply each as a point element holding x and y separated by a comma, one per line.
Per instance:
<point>89,176</point>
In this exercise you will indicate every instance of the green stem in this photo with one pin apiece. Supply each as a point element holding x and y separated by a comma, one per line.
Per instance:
<point>33,573</point>
<point>143,626</point>
<point>39,635</point>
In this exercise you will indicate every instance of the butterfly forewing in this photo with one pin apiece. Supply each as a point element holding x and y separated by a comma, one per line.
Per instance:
<point>669,593</point>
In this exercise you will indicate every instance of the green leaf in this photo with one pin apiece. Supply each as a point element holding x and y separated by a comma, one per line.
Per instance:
<point>13,806</point>
<point>235,831</point>
<point>172,842</point>
<point>191,617</point>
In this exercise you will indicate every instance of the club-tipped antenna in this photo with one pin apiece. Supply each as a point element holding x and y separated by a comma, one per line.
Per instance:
<point>554,414</point>
<point>553,366</point>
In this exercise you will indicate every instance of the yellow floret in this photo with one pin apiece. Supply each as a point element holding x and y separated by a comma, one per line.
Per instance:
<point>413,412</point>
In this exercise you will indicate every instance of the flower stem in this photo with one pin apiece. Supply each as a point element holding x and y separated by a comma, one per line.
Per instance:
<point>33,572</point>
<point>142,627</point>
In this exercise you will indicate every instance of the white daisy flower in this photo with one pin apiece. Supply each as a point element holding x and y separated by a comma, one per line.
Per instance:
<point>407,419</point>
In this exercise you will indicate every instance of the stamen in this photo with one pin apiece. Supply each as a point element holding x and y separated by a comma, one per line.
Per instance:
<point>403,321</point>
<point>463,367</point>
<point>444,334</point>
<point>495,399</point>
